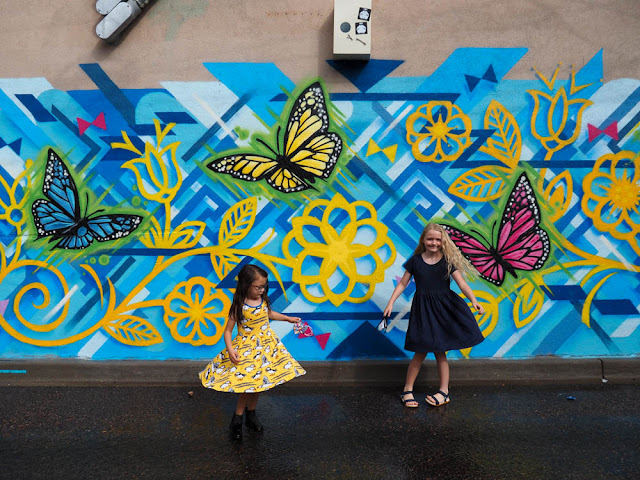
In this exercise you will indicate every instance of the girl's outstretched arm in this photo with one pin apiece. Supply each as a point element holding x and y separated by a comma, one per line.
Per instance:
<point>233,355</point>
<point>273,315</point>
<point>404,281</point>
<point>466,289</point>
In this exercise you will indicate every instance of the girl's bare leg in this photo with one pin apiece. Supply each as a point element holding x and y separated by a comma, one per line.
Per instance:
<point>243,400</point>
<point>443,374</point>
<point>443,371</point>
<point>253,401</point>
<point>248,401</point>
<point>412,373</point>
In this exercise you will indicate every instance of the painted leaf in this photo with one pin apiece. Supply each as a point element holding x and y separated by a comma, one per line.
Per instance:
<point>487,321</point>
<point>3,259</point>
<point>506,143</point>
<point>223,263</point>
<point>132,330</point>
<point>586,307</point>
<point>480,184</point>
<point>187,234</point>
<point>558,195</point>
<point>527,305</point>
<point>237,222</point>
<point>153,236</point>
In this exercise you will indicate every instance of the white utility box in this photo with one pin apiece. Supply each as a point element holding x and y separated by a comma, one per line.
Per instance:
<point>351,29</point>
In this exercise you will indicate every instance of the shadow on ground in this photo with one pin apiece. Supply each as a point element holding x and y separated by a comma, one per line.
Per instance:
<point>315,433</point>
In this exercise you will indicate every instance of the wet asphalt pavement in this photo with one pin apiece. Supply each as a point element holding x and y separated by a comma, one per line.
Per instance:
<point>508,432</point>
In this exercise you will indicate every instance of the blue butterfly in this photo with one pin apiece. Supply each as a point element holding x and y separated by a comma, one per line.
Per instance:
<point>60,216</point>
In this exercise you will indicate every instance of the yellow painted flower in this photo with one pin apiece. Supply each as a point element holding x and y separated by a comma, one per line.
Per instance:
<point>195,312</point>
<point>550,118</point>
<point>339,251</point>
<point>157,179</point>
<point>438,132</point>
<point>11,210</point>
<point>612,194</point>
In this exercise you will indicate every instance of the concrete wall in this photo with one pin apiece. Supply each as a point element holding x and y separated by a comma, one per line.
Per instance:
<point>460,100</point>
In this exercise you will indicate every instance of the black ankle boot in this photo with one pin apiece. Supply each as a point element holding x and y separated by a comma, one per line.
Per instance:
<point>235,429</point>
<point>252,421</point>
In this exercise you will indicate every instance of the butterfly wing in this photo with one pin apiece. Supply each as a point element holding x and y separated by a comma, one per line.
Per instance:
<point>482,258</point>
<point>245,166</point>
<point>112,226</point>
<point>252,167</point>
<point>308,144</point>
<point>59,186</point>
<point>522,243</point>
<point>284,180</point>
<point>61,212</point>
<point>75,239</point>
<point>50,219</point>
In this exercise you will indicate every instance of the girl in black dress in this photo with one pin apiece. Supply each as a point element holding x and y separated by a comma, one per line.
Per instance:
<point>440,320</point>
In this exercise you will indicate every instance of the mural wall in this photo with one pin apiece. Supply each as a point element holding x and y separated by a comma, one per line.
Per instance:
<point>126,214</point>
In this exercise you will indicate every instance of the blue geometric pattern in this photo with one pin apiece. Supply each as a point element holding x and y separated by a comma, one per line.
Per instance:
<point>378,166</point>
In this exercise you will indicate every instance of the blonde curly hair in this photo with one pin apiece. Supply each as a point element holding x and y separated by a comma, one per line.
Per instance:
<point>451,253</point>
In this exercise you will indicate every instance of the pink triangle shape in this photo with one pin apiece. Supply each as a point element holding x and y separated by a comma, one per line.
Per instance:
<point>100,122</point>
<point>612,130</point>
<point>82,125</point>
<point>323,338</point>
<point>3,306</point>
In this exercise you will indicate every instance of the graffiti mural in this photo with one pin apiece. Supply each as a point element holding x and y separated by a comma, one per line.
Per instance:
<point>126,214</point>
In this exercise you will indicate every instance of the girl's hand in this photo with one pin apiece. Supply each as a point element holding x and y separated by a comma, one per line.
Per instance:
<point>387,311</point>
<point>233,355</point>
<point>293,319</point>
<point>478,307</point>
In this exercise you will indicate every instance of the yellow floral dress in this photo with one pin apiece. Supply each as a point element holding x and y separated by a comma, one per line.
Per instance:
<point>264,360</point>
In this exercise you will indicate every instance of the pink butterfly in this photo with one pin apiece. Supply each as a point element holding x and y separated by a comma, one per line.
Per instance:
<point>521,244</point>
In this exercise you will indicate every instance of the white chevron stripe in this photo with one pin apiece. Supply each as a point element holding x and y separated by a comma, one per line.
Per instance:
<point>626,328</point>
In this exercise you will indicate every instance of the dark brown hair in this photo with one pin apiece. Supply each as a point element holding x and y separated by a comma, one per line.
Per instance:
<point>247,275</point>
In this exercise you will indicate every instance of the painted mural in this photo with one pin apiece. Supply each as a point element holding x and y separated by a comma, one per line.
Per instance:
<point>126,214</point>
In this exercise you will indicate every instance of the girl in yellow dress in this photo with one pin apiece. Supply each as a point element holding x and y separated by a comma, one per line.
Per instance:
<point>256,360</point>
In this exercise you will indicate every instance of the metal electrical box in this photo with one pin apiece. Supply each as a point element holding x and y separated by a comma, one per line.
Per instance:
<point>351,29</point>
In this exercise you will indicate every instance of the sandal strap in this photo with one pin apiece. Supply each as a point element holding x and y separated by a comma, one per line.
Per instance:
<point>407,400</point>
<point>445,395</point>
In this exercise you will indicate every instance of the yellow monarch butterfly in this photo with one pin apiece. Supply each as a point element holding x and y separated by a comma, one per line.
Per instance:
<point>310,149</point>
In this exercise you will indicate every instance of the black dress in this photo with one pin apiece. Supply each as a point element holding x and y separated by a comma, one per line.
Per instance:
<point>440,319</point>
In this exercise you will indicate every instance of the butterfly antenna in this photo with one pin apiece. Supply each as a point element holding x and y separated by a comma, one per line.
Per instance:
<point>86,208</point>
<point>267,145</point>
<point>482,236</point>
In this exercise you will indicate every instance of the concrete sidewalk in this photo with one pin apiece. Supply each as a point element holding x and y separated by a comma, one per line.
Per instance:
<point>551,370</point>
<point>485,432</point>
